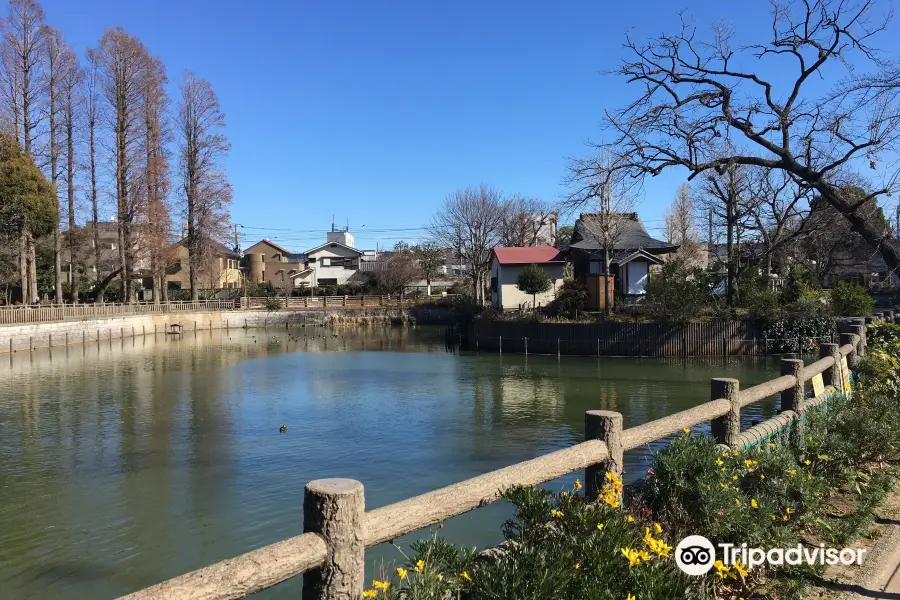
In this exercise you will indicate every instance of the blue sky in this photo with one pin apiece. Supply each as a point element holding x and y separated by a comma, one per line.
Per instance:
<point>374,111</point>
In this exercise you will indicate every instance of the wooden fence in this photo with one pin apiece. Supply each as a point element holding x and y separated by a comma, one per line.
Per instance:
<point>43,313</point>
<point>338,528</point>
<point>340,301</point>
<point>716,338</point>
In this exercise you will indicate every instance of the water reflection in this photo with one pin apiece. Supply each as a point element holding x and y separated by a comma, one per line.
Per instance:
<point>128,461</point>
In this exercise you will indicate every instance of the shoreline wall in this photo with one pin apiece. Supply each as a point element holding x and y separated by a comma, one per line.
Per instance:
<point>32,336</point>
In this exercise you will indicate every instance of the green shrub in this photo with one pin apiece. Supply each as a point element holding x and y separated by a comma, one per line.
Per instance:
<point>678,294</point>
<point>533,280</point>
<point>273,303</point>
<point>851,300</point>
<point>571,299</point>
<point>787,335</point>
<point>885,337</point>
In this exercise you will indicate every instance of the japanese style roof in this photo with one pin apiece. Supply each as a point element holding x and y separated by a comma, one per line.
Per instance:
<point>588,233</point>
<point>528,255</point>
<point>626,257</point>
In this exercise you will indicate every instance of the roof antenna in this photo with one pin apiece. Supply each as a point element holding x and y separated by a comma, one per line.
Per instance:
<point>332,222</point>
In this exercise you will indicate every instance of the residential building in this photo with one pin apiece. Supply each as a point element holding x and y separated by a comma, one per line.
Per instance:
<point>267,262</point>
<point>221,269</point>
<point>336,262</point>
<point>507,264</point>
<point>634,256</point>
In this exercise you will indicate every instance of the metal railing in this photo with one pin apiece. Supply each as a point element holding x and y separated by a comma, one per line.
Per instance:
<point>338,529</point>
<point>44,313</point>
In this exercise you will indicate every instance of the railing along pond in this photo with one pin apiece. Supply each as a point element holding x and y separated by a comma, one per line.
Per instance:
<point>338,529</point>
<point>43,313</point>
<point>340,301</point>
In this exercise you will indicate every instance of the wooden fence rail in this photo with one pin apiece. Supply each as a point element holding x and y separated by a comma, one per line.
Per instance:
<point>394,300</point>
<point>44,313</point>
<point>331,551</point>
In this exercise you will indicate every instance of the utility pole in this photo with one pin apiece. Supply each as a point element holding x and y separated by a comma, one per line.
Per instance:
<point>237,244</point>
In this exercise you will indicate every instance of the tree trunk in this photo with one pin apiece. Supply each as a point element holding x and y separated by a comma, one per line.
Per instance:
<point>879,240</point>
<point>607,263</point>
<point>427,287</point>
<point>57,267</point>
<point>32,271</point>
<point>729,252</point>
<point>23,266</point>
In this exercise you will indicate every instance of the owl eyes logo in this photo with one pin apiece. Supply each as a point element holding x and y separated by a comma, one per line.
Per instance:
<point>695,555</point>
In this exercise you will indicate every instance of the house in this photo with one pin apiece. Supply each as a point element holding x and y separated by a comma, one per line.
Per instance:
<point>267,262</point>
<point>634,256</point>
<point>336,262</point>
<point>220,270</point>
<point>507,263</point>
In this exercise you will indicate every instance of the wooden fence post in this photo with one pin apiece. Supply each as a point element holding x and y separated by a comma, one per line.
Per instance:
<point>860,330</point>
<point>335,509</point>
<point>832,374</point>
<point>603,425</point>
<point>793,398</point>
<point>727,428</point>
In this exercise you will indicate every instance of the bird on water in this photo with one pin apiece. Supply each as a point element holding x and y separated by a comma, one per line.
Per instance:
<point>283,428</point>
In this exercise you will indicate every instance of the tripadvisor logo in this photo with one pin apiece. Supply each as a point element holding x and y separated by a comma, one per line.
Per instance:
<point>695,555</point>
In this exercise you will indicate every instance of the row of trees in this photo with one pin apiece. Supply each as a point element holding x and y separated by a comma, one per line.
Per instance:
<point>103,129</point>
<point>471,222</point>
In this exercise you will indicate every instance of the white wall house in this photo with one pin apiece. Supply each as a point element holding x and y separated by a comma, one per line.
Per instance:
<point>506,265</point>
<point>333,263</point>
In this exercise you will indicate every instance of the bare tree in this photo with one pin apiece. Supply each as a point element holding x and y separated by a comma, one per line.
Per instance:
<point>121,59</point>
<point>694,93</point>
<point>468,221</point>
<point>679,224</point>
<point>394,272</point>
<point>55,49</point>
<point>202,147</point>
<point>92,98</point>
<point>156,174</point>
<point>69,81</point>
<point>430,258</point>
<point>593,188</point>
<point>527,222</point>
<point>23,71</point>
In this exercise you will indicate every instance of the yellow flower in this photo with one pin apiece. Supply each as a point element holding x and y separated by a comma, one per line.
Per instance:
<point>753,503</point>
<point>762,476</point>
<point>557,514</point>
<point>792,472</point>
<point>807,462</point>
<point>657,528</point>
<point>577,484</point>
<point>774,518</point>
<point>643,555</point>
<point>737,502</point>
<point>633,556</point>
<point>741,569</point>
<point>630,519</point>
<point>686,430</point>
<point>719,462</point>
<point>771,445</point>
<point>823,457</point>
<point>846,387</point>
<point>734,477</point>
<point>420,565</point>
<point>439,577</point>
<point>465,575</point>
<point>630,597</point>
<point>600,526</point>
<point>785,518</point>
<point>724,486</point>
<point>369,593</point>
<point>401,572</point>
<point>721,569</point>
<point>735,453</point>
<point>788,510</point>
<point>577,565</point>
<point>381,585</point>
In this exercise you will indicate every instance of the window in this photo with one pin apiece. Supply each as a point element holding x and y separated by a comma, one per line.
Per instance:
<point>326,262</point>
<point>332,281</point>
<point>596,267</point>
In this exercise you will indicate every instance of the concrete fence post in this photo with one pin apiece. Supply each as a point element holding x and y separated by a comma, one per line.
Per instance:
<point>793,399</point>
<point>860,331</point>
<point>727,428</point>
<point>832,375</point>
<point>335,509</point>
<point>849,338</point>
<point>605,425</point>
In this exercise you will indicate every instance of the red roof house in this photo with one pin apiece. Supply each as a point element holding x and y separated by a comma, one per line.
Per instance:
<point>506,265</point>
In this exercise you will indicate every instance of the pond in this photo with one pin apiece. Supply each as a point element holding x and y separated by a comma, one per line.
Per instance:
<point>132,461</point>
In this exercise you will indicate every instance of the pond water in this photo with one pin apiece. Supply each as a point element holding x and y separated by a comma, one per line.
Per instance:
<point>132,461</point>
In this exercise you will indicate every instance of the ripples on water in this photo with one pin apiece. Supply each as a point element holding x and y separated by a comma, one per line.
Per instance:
<point>125,463</point>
